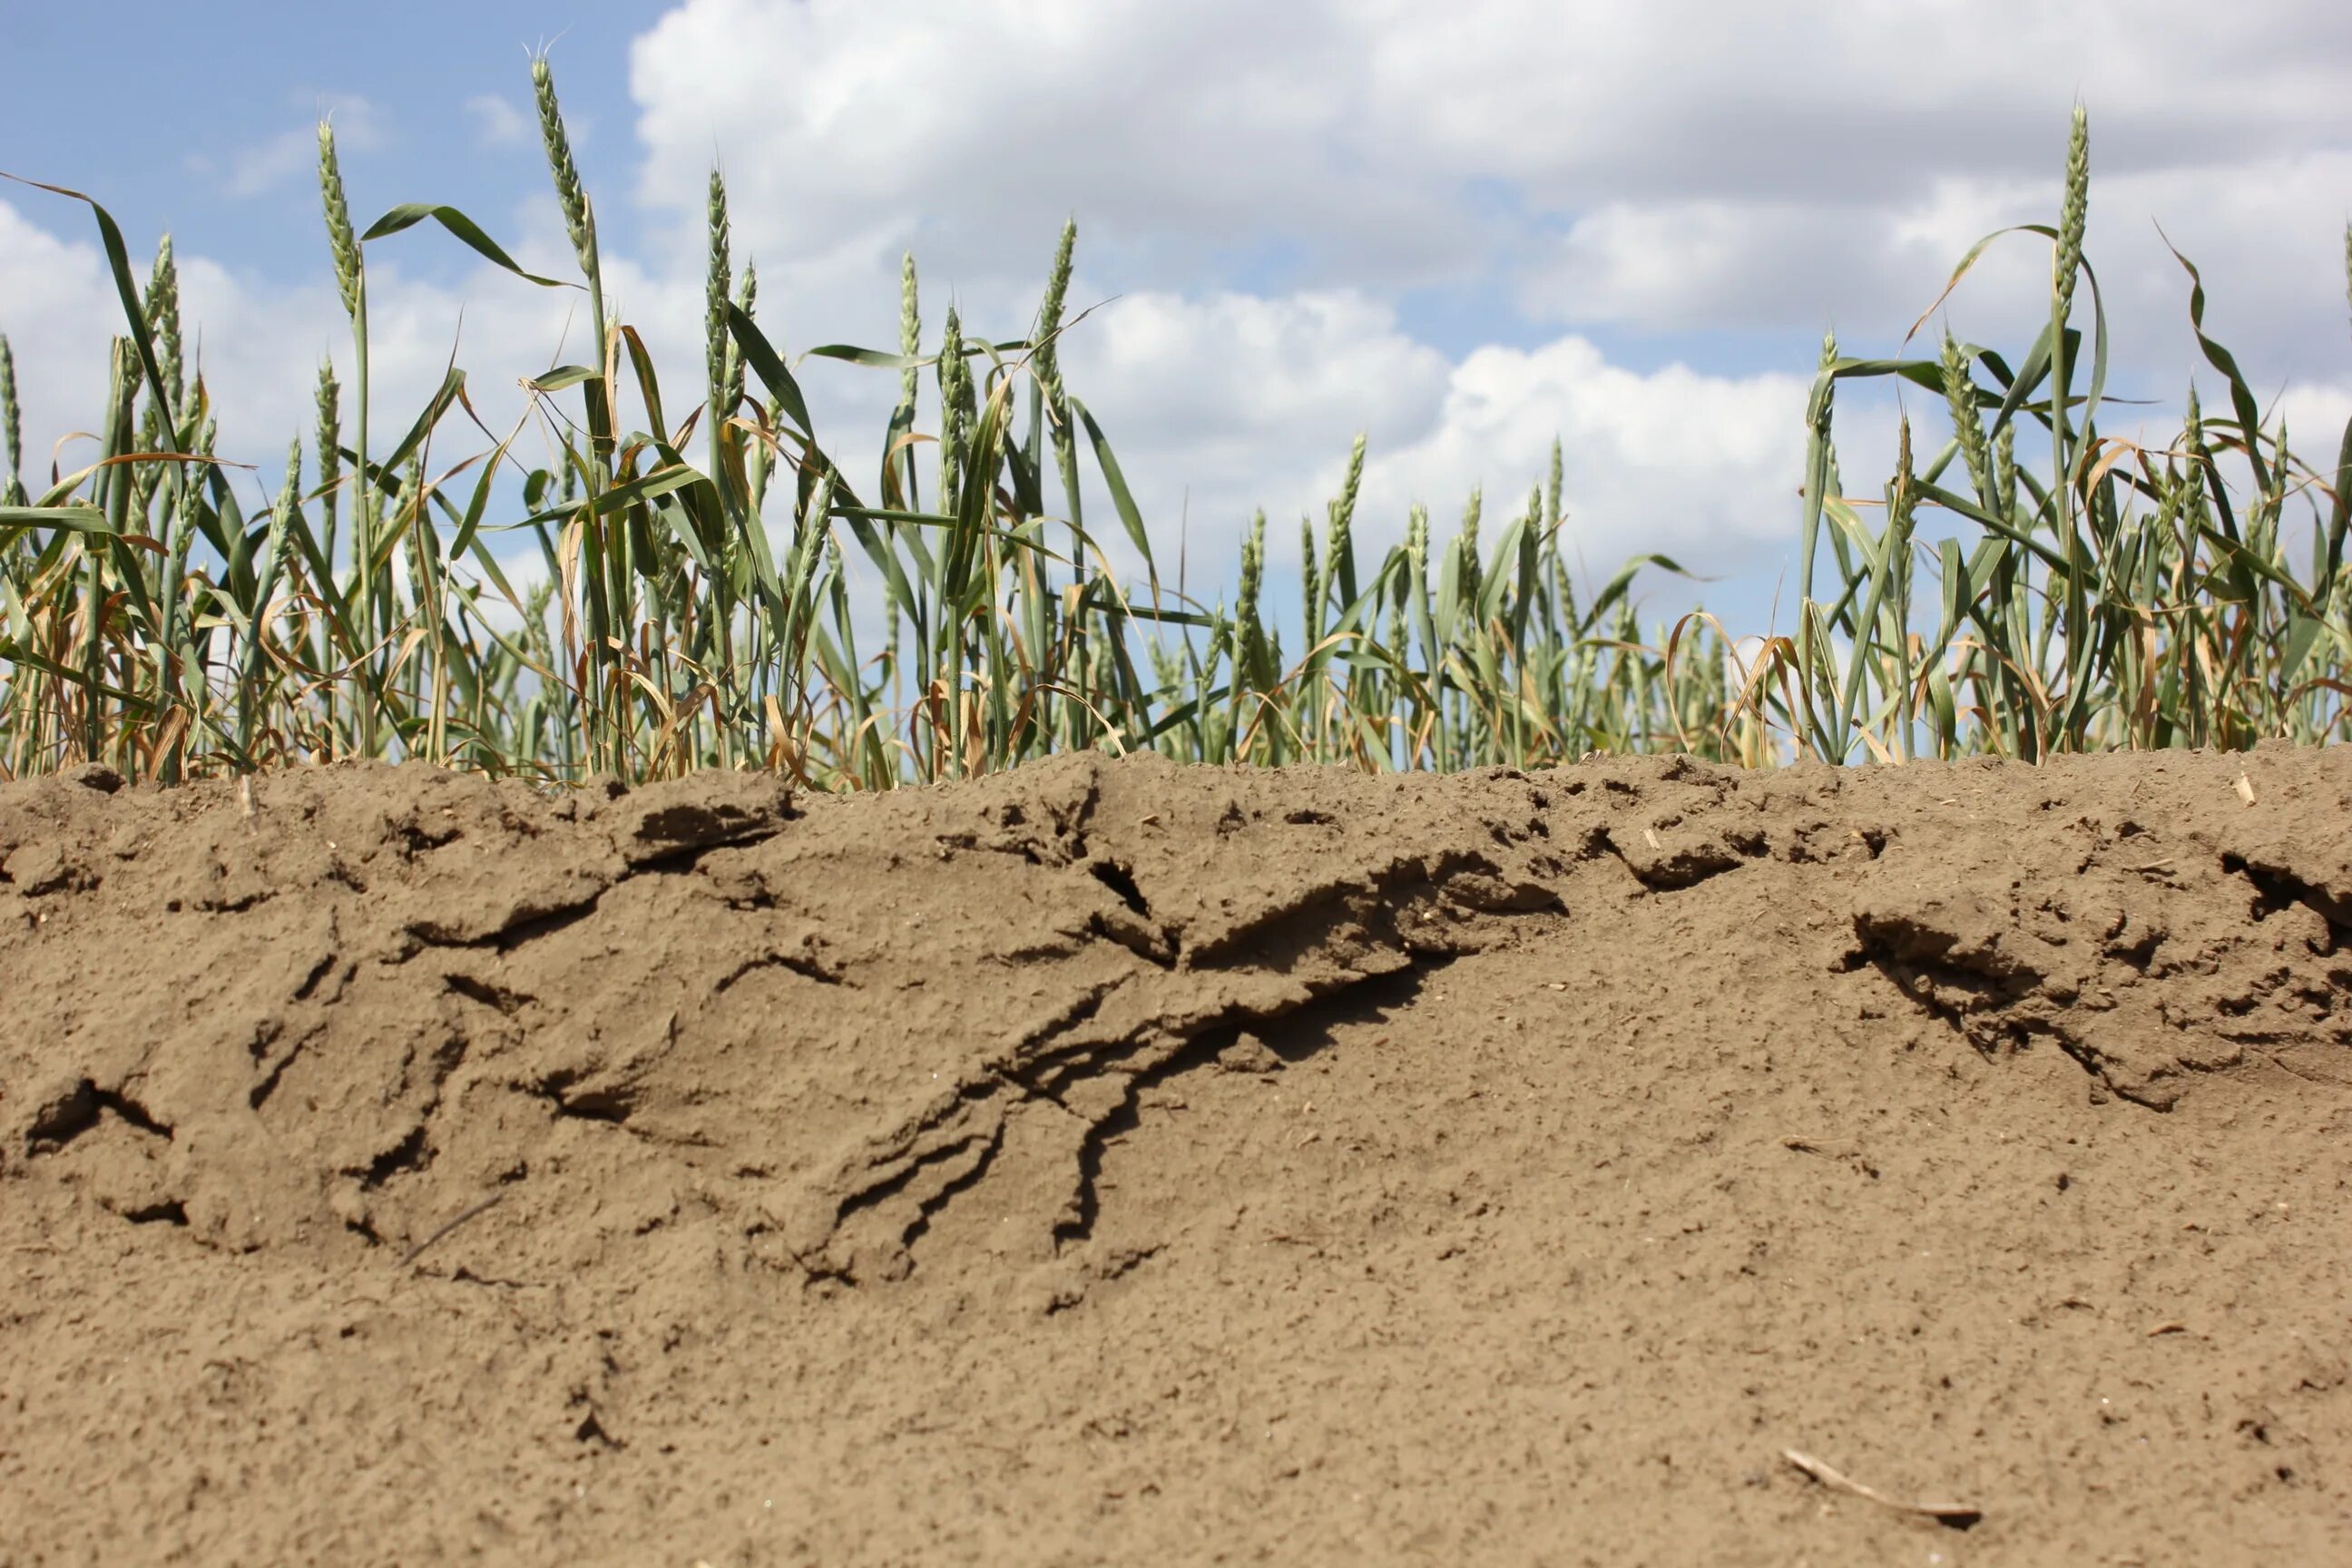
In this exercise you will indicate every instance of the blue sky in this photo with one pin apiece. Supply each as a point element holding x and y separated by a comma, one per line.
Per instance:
<point>1464,230</point>
<point>219,146</point>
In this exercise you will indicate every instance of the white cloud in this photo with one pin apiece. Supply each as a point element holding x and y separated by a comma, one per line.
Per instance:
<point>265,166</point>
<point>1354,126</point>
<point>1175,131</point>
<point>1674,461</point>
<point>1220,404</point>
<point>1870,271</point>
<point>2316,416</point>
<point>497,122</point>
<point>58,306</point>
<point>1849,99</point>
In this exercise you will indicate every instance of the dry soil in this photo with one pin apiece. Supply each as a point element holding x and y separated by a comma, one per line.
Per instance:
<point>1115,1162</point>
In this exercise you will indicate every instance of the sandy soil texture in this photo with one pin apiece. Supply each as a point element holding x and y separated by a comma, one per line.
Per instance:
<point>1115,1162</point>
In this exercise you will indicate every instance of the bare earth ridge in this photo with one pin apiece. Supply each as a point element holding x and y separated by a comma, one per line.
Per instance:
<point>1112,1162</point>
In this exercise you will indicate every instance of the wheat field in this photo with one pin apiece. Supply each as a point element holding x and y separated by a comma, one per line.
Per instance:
<point>718,592</point>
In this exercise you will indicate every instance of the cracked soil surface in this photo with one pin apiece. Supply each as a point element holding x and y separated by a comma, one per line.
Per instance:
<point>1115,1162</point>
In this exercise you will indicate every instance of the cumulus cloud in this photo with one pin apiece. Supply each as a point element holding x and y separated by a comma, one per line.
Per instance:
<point>57,324</point>
<point>1700,467</point>
<point>1227,403</point>
<point>1717,265</point>
<point>1705,160</point>
<point>1221,406</point>
<point>262,167</point>
<point>497,121</point>
<point>1853,100</point>
<point>268,164</point>
<point>1176,132</point>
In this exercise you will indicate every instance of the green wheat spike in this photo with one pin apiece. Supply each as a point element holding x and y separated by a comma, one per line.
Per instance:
<point>2004,492</point>
<point>1961,396</point>
<point>579,219</point>
<point>163,310</point>
<point>1249,630</point>
<point>329,440</point>
<point>2066,263</point>
<point>910,330</point>
<point>1400,625</point>
<point>2192,444</point>
<point>1466,540</point>
<point>1340,565</point>
<point>1416,550</point>
<point>342,239</point>
<point>12,423</point>
<point>2073,213</point>
<point>1310,581</point>
<point>718,285</point>
<point>1057,396</point>
<point>350,282</point>
<point>954,379</point>
<point>747,299</point>
<point>1049,315</point>
<point>2278,470</point>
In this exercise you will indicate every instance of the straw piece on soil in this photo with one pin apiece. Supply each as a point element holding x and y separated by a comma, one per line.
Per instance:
<point>1959,1516</point>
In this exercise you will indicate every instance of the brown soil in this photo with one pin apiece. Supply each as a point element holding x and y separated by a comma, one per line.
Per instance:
<point>1118,1162</point>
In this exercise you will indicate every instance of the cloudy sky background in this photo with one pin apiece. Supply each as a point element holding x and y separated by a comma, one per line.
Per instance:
<point>1463,229</point>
